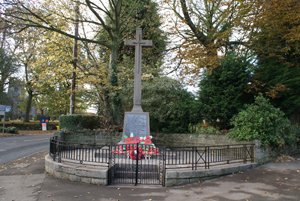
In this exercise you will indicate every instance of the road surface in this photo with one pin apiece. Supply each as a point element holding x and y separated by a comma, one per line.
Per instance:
<point>12,148</point>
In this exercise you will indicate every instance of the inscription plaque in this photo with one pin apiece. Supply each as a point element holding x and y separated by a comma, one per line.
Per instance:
<point>136,123</point>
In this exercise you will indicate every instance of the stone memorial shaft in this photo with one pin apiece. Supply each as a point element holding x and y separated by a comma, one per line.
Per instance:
<point>138,43</point>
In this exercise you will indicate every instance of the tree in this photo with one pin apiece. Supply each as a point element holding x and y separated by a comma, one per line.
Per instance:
<point>111,18</point>
<point>16,94</point>
<point>75,58</point>
<point>146,17</point>
<point>53,68</point>
<point>206,27</point>
<point>143,14</point>
<point>280,83</point>
<point>7,69</point>
<point>8,65</point>
<point>277,28</point>
<point>47,60</point>
<point>27,45</point>
<point>276,44</point>
<point>223,91</point>
<point>172,108</point>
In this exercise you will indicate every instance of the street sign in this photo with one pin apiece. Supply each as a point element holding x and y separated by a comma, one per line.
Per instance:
<point>2,107</point>
<point>8,109</point>
<point>44,126</point>
<point>5,108</point>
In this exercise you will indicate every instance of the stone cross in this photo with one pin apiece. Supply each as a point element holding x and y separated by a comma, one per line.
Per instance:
<point>138,43</point>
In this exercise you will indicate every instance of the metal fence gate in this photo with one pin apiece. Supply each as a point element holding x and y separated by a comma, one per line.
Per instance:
<point>136,164</point>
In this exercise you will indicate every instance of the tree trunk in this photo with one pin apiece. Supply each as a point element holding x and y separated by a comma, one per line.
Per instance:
<point>107,106</point>
<point>4,28</point>
<point>113,79</point>
<point>1,86</point>
<point>75,60</point>
<point>28,105</point>
<point>212,57</point>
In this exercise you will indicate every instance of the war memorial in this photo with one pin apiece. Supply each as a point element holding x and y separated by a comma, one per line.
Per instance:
<point>136,159</point>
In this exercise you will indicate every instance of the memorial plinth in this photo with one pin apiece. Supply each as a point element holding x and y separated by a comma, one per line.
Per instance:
<point>136,123</point>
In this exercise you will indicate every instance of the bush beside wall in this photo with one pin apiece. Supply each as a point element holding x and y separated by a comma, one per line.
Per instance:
<point>12,130</point>
<point>79,122</point>
<point>264,122</point>
<point>89,136</point>
<point>31,125</point>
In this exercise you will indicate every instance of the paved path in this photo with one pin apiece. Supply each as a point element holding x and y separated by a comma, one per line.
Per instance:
<point>12,148</point>
<point>24,180</point>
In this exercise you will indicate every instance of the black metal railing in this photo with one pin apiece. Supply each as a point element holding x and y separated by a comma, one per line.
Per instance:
<point>81,153</point>
<point>208,156</point>
<point>174,157</point>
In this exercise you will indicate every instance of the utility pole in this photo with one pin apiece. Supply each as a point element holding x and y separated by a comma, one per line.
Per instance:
<point>75,60</point>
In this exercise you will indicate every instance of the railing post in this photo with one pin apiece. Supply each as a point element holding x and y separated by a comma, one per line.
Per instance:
<point>228,154</point>
<point>59,150</point>
<point>193,158</point>
<point>163,170</point>
<point>50,148</point>
<point>110,155</point>
<point>245,153</point>
<point>252,153</point>
<point>55,151</point>
<point>137,164</point>
<point>165,166</point>
<point>110,165</point>
<point>80,153</point>
<point>207,157</point>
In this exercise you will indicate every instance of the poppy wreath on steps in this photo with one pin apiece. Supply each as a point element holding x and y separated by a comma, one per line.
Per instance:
<point>133,154</point>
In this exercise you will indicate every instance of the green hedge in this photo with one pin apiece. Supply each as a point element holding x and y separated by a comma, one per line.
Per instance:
<point>97,136</point>
<point>12,130</point>
<point>31,125</point>
<point>79,122</point>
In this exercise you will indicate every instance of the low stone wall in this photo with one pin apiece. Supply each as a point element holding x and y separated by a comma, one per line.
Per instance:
<point>174,177</point>
<point>193,140</point>
<point>180,177</point>
<point>77,172</point>
<point>262,155</point>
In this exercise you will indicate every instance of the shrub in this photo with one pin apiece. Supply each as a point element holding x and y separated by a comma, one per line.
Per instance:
<point>31,125</point>
<point>12,130</point>
<point>203,129</point>
<point>79,122</point>
<point>97,136</point>
<point>262,121</point>
<point>296,130</point>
